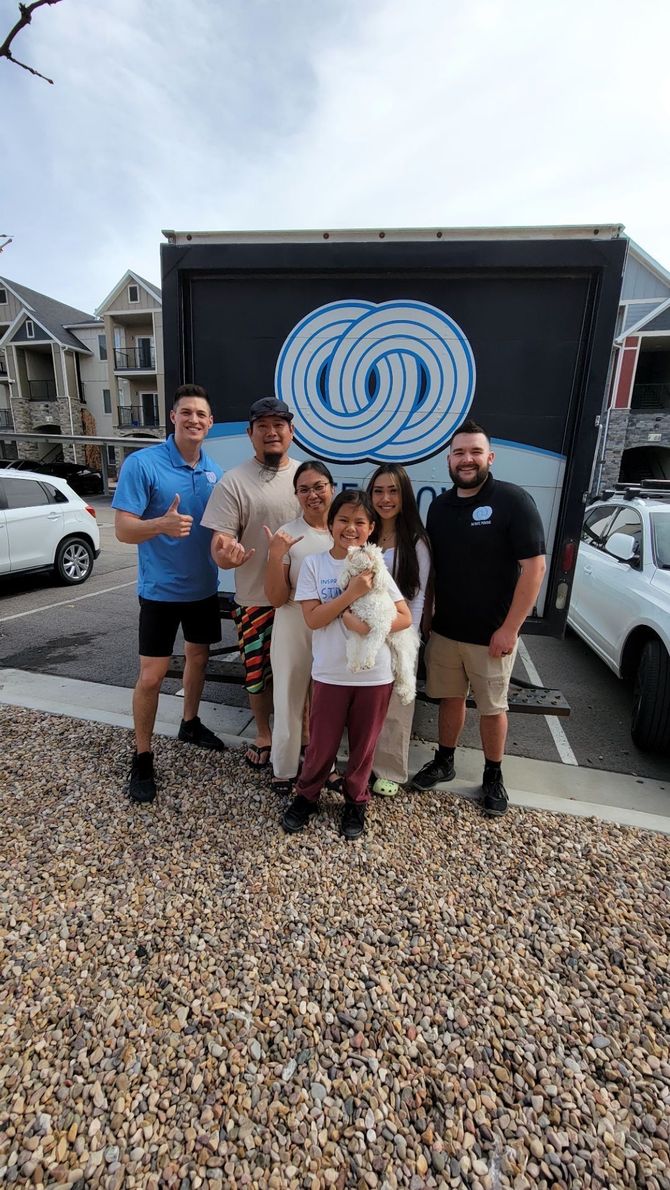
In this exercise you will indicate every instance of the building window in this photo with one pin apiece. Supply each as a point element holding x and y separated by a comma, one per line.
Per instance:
<point>107,400</point>
<point>102,346</point>
<point>30,328</point>
<point>3,297</point>
<point>133,293</point>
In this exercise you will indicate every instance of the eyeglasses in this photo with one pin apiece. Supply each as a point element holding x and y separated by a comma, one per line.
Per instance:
<point>317,488</point>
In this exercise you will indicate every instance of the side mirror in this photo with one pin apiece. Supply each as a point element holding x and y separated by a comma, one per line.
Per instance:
<point>622,546</point>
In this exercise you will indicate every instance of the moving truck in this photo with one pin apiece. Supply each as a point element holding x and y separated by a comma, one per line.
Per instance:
<point>384,342</point>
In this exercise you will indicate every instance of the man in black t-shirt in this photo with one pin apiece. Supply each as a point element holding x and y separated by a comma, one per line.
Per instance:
<point>488,551</point>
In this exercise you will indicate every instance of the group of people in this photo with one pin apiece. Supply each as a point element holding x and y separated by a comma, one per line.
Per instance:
<point>467,582</point>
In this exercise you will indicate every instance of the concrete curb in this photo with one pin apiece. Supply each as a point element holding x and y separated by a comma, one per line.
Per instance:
<point>536,784</point>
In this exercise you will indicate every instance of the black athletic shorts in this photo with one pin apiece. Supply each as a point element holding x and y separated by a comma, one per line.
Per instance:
<point>159,624</point>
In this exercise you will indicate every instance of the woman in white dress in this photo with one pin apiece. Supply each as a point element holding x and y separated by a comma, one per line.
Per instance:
<point>404,542</point>
<point>291,645</point>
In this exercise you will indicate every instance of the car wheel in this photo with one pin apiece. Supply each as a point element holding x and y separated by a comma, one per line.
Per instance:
<point>74,560</point>
<point>650,724</point>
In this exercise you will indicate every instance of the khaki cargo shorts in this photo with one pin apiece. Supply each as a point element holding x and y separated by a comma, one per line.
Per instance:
<point>452,667</point>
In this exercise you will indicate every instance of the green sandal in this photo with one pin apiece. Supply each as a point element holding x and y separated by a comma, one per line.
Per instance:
<point>386,788</point>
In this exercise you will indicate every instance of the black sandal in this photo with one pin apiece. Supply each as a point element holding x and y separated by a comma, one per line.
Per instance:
<point>334,782</point>
<point>282,787</point>
<point>260,755</point>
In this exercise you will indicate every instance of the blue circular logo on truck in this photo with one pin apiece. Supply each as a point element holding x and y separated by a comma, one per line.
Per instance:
<point>388,382</point>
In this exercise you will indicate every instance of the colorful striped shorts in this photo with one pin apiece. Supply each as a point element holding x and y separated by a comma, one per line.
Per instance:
<point>254,632</point>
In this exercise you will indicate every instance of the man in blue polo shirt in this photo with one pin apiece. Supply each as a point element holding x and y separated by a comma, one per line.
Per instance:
<point>159,501</point>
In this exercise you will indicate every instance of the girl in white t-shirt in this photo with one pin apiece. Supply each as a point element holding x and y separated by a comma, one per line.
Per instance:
<point>291,646</point>
<point>340,698</point>
<point>404,543</point>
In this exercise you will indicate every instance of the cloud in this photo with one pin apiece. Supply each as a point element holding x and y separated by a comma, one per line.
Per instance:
<point>203,114</point>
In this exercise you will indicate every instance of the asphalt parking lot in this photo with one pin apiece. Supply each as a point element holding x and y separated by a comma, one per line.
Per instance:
<point>90,633</point>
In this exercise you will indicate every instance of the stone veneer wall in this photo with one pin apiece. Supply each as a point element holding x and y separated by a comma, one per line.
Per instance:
<point>629,428</point>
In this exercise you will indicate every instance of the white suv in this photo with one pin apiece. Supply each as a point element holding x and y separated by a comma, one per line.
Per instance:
<point>44,524</point>
<point>620,602</point>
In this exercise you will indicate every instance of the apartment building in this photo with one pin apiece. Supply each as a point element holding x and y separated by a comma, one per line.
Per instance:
<point>63,370</point>
<point>131,340</point>
<point>40,369</point>
<point>635,431</point>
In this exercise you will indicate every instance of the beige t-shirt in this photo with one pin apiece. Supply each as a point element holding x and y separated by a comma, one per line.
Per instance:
<point>247,498</point>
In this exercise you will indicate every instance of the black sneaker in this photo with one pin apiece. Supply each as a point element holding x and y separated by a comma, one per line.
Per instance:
<point>495,801</point>
<point>195,732</point>
<point>438,769</point>
<point>141,784</point>
<point>353,820</point>
<point>298,814</point>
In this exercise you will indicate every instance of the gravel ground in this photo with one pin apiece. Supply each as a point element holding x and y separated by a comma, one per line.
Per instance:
<point>191,998</point>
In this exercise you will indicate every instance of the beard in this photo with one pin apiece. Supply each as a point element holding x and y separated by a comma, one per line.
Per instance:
<point>272,459</point>
<point>474,480</point>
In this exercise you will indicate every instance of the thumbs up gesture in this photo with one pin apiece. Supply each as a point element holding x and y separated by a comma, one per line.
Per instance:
<point>174,524</point>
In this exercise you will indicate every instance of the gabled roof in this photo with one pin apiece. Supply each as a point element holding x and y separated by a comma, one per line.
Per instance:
<point>649,262</point>
<point>53,316</point>
<point>152,289</point>
<point>13,289</point>
<point>651,317</point>
<point>24,316</point>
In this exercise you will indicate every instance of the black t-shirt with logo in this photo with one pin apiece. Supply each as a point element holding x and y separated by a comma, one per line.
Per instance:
<point>478,542</point>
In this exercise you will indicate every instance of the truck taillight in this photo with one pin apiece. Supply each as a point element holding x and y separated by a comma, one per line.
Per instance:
<point>568,556</point>
<point>90,509</point>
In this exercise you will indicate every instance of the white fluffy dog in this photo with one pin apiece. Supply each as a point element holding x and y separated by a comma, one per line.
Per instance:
<point>377,610</point>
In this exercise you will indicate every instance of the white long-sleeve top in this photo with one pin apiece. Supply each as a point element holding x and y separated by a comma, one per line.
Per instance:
<point>416,604</point>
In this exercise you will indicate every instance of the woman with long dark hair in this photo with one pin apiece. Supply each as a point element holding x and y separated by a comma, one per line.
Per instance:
<point>403,540</point>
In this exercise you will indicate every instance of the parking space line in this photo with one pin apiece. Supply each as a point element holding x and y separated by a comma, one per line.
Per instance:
<point>63,602</point>
<point>560,739</point>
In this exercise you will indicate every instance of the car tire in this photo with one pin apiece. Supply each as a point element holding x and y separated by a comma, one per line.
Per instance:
<point>650,724</point>
<point>74,560</point>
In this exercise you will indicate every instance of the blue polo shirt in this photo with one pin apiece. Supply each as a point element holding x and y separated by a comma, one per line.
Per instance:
<point>170,569</point>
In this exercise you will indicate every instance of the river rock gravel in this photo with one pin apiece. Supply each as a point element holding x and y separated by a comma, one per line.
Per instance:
<point>191,998</point>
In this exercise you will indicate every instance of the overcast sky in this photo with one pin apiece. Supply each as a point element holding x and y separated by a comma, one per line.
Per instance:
<point>228,114</point>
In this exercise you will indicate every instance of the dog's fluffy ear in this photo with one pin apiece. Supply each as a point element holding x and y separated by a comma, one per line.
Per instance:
<point>357,559</point>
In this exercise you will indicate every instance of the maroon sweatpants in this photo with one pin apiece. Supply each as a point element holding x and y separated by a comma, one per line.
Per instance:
<point>362,710</point>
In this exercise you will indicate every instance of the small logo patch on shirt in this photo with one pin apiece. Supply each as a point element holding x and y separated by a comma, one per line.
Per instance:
<point>210,476</point>
<point>484,513</point>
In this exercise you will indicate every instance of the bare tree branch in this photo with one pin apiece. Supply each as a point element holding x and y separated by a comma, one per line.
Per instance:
<point>26,11</point>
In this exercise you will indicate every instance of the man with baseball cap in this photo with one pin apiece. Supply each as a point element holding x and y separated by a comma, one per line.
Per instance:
<point>259,492</point>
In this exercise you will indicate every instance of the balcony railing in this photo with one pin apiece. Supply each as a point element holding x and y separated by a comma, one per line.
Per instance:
<point>651,396</point>
<point>42,390</point>
<point>6,419</point>
<point>135,416</point>
<point>134,359</point>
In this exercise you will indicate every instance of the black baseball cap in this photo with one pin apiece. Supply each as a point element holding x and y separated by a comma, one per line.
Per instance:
<point>269,407</point>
